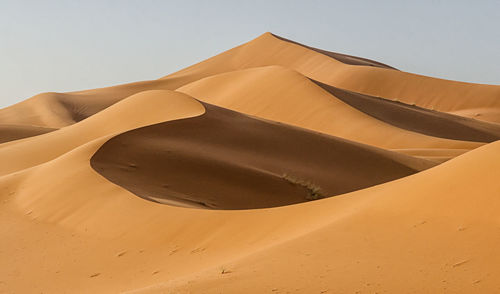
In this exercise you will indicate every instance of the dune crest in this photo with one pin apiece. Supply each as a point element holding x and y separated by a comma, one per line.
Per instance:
<point>263,91</point>
<point>239,162</point>
<point>427,92</point>
<point>15,132</point>
<point>142,109</point>
<point>55,110</point>
<point>399,229</point>
<point>347,59</point>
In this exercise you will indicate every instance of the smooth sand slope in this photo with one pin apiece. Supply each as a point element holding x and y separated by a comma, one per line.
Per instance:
<point>151,187</point>
<point>142,109</point>
<point>344,58</point>
<point>427,92</point>
<point>59,189</point>
<point>241,162</point>
<point>417,119</point>
<point>16,132</point>
<point>394,237</point>
<point>56,110</point>
<point>263,92</point>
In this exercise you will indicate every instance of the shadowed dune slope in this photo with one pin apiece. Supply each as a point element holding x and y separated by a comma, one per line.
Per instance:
<point>395,237</point>
<point>427,92</point>
<point>227,160</point>
<point>417,119</point>
<point>284,95</point>
<point>16,132</point>
<point>347,59</point>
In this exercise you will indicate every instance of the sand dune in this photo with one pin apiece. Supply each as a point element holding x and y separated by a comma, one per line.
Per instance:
<point>434,155</point>
<point>417,119</point>
<point>138,110</point>
<point>322,172</point>
<point>430,230</point>
<point>16,132</point>
<point>239,162</point>
<point>347,59</point>
<point>199,254</point>
<point>55,110</point>
<point>263,91</point>
<point>427,92</point>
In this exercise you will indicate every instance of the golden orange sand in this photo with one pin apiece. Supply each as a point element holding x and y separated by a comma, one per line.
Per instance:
<point>65,228</point>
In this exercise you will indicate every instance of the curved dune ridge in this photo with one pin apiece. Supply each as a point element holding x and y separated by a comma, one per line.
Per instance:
<point>427,92</point>
<point>273,167</point>
<point>138,110</point>
<point>56,110</point>
<point>476,100</point>
<point>263,91</point>
<point>226,160</point>
<point>419,119</point>
<point>347,59</point>
<point>392,238</point>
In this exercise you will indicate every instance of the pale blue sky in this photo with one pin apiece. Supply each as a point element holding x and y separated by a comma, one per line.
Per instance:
<point>75,45</point>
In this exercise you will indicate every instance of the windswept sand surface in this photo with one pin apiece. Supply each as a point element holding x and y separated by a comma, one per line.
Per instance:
<point>273,167</point>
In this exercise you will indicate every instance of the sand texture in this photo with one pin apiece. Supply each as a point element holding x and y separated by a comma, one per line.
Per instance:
<point>273,167</point>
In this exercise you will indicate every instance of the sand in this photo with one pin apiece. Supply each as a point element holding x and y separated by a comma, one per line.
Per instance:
<point>138,110</point>
<point>15,132</point>
<point>272,167</point>
<point>239,162</point>
<point>417,119</point>
<point>344,58</point>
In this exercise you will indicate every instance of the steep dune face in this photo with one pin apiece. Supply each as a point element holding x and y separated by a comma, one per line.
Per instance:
<point>344,58</point>
<point>239,162</point>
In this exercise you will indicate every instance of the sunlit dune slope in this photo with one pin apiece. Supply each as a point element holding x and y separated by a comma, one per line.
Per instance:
<point>402,229</point>
<point>139,110</point>
<point>428,233</point>
<point>417,119</point>
<point>344,58</point>
<point>286,96</point>
<point>428,92</point>
<point>64,208</point>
